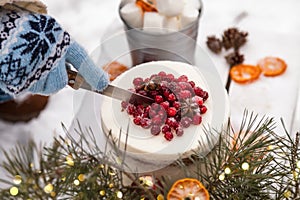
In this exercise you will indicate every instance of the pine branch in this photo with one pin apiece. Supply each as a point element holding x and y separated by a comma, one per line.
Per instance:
<point>250,163</point>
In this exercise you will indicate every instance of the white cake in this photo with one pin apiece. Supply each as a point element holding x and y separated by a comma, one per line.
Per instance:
<point>143,149</point>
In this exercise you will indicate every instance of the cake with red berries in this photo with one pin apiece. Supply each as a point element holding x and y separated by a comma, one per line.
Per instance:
<point>173,125</point>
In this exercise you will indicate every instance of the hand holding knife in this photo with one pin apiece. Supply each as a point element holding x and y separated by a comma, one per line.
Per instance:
<point>76,81</point>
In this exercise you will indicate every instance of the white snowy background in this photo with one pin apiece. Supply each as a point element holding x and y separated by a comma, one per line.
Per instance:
<point>274,29</point>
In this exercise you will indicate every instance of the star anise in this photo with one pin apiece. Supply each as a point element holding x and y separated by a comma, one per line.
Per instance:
<point>234,38</point>
<point>188,107</point>
<point>214,44</point>
<point>152,84</point>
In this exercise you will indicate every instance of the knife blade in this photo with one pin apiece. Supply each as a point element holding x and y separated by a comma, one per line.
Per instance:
<point>76,81</point>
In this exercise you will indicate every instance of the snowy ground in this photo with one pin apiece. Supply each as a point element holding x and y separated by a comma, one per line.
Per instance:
<point>87,21</point>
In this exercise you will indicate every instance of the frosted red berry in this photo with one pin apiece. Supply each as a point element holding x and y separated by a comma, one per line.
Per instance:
<point>203,109</point>
<point>197,119</point>
<point>171,97</point>
<point>165,128</point>
<point>179,103</point>
<point>172,111</point>
<point>138,81</point>
<point>159,99</point>
<point>155,130</point>
<point>165,105</point>
<point>169,136</point>
<point>179,131</point>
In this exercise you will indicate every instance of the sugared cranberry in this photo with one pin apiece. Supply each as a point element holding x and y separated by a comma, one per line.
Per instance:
<point>163,115</point>
<point>186,122</point>
<point>138,81</point>
<point>172,111</point>
<point>146,123</point>
<point>159,99</point>
<point>198,100</point>
<point>155,130</point>
<point>179,131</point>
<point>166,93</point>
<point>183,78</point>
<point>157,120</point>
<point>168,136</point>
<point>192,83</point>
<point>137,120</point>
<point>165,105</point>
<point>124,104</point>
<point>172,122</point>
<point>171,97</point>
<point>165,129</point>
<point>147,109</point>
<point>152,113</point>
<point>140,109</point>
<point>162,74</point>
<point>205,95</point>
<point>170,77</point>
<point>130,109</point>
<point>197,119</point>
<point>176,104</point>
<point>183,85</point>
<point>198,91</point>
<point>155,107</point>
<point>185,94</point>
<point>203,109</point>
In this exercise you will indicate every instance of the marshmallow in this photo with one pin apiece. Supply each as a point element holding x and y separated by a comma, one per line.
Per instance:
<point>170,8</point>
<point>133,15</point>
<point>171,24</point>
<point>193,3</point>
<point>153,22</point>
<point>188,15</point>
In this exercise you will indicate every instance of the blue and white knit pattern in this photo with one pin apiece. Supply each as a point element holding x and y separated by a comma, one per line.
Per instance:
<point>27,51</point>
<point>34,49</point>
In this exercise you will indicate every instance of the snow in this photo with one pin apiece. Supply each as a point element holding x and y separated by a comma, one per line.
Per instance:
<point>273,28</point>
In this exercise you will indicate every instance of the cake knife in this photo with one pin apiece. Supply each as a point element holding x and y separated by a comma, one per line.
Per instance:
<point>76,81</point>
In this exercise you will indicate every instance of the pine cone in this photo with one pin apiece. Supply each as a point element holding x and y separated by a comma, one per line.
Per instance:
<point>214,44</point>
<point>234,58</point>
<point>232,37</point>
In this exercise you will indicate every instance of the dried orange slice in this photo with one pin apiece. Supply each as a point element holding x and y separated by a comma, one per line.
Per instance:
<point>272,66</point>
<point>188,188</point>
<point>114,69</point>
<point>244,73</point>
<point>146,5</point>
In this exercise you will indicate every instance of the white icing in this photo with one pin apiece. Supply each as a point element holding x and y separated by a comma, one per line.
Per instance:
<point>140,141</point>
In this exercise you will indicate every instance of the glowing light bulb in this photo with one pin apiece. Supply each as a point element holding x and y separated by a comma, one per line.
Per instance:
<point>245,166</point>
<point>298,164</point>
<point>102,192</point>
<point>48,188</point>
<point>17,180</point>
<point>76,182</point>
<point>81,177</point>
<point>222,177</point>
<point>119,194</point>
<point>14,191</point>
<point>227,170</point>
